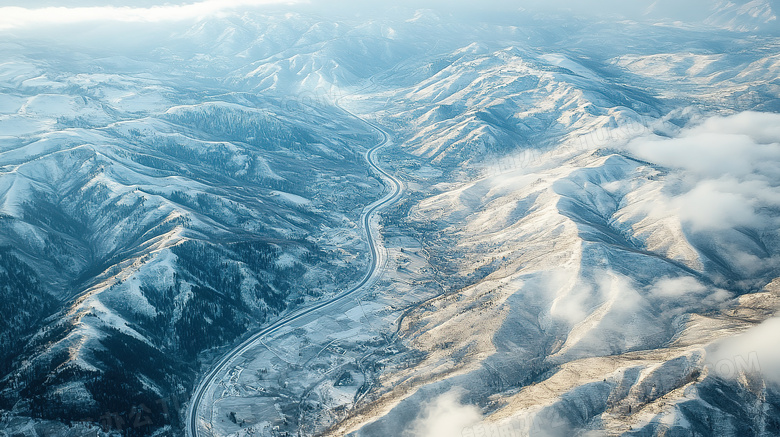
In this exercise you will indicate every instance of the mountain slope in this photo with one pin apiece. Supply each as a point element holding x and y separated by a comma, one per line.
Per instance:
<point>138,233</point>
<point>593,198</point>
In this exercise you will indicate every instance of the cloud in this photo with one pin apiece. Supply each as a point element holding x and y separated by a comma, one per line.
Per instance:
<point>686,290</point>
<point>754,351</point>
<point>737,146</point>
<point>713,204</point>
<point>17,17</point>
<point>677,287</point>
<point>762,126</point>
<point>730,168</point>
<point>572,299</point>
<point>445,416</point>
<point>607,293</point>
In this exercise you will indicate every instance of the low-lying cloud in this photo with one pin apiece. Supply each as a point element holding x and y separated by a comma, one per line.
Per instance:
<point>444,416</point>
<point>754,351</point>
<point>740,145</point>
<point>729,169</point>
<point>686,292</point>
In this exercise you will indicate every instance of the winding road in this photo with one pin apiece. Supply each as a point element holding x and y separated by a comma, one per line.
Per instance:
<point>374,269</point>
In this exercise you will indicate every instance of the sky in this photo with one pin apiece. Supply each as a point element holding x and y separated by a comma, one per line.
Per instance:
<point>17,13</point>
<point>41,13</point>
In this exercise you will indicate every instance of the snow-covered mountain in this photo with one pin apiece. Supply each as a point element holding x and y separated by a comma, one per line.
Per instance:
<point>588,239</point>
<point>618,252</point>
<point>149,215</point>
<point>756,15</point>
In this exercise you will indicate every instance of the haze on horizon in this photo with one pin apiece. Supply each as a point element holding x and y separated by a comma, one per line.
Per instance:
<point>15,13</point>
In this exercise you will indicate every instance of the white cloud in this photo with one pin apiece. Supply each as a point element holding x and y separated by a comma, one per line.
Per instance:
<point>615,317</point>
<point>445,416</point>
<point>713,204</point>
<point>17,17</point>
<point>572,299</point>
<point>730,166</point>
<point>710,150</point>
<point>762,126</point>
<point>677,287</point>
<point>686,290</point>
<point>754,351</point>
